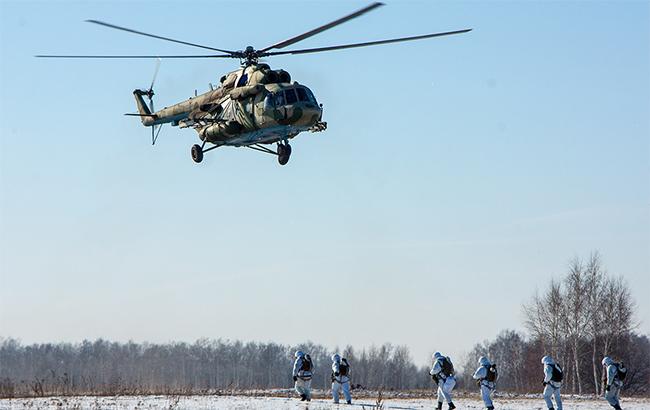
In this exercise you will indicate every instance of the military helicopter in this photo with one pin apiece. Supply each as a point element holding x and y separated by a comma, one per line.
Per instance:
<point>254,106</point>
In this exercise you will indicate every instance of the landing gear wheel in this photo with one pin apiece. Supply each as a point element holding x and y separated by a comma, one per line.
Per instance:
<point>284,153</point>
<point>197,153</point>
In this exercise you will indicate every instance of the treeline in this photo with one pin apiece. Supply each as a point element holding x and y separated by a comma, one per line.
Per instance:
<point>579,319</point>
<point>214,366</point>
<point>206,366</point>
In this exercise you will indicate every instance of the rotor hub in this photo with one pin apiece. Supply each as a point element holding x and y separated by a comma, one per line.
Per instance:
<point>250,55</point>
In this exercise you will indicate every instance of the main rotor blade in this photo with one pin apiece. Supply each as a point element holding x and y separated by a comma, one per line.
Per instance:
<point>322,28</point>
<point>369,43</point>
<point>101,23</point>
<point>187,56</point>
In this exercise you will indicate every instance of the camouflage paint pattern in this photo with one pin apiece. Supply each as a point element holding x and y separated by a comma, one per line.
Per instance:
<point>244,103</point>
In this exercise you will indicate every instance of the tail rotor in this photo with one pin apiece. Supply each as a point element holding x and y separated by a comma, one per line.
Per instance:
<point>149,93</point>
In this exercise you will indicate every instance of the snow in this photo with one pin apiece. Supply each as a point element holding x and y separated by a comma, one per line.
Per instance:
<point>274,403</point>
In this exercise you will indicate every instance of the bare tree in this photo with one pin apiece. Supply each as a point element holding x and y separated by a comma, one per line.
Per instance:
<point>577,315</point>
<point>545,317</point>
<point>594,294</point>
<point>616,314</point>
<point>586,310</point>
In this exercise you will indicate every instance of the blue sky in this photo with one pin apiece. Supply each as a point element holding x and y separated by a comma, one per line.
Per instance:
<point>457,175</point>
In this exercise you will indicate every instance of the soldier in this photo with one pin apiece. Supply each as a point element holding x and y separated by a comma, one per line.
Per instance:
<point>302,374</point>
<point>486,377</point>
<point>613,376</point>
<point>442,373</point>
<point>553,376</point>
<point>340,378</point>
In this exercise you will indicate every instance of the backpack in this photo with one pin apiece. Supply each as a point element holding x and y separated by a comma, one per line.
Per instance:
<point>491,373</point>
<point>621,371</point>
<point>447,366</point>
<point>558,374</point>
<point>344,367</point>
<point>306,364</point>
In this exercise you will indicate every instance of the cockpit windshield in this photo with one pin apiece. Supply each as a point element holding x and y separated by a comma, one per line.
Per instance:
<point>279,99</point>
<point>290,96</point>
<point>309,97</point>
<point>302,94</point>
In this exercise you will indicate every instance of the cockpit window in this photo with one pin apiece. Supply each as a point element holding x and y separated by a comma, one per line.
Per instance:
<point>279,99</point>
<point>310,96</point>
<point>302,95</point>
<point>291,96</point>
<point>269,101</point>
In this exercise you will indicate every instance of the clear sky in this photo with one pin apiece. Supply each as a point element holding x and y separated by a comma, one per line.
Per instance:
<point>457,175</point>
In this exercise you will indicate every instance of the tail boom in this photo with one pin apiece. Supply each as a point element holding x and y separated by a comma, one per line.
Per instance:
<point>147,117</point>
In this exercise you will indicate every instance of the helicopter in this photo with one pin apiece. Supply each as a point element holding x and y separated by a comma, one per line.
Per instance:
<point>253,106</point>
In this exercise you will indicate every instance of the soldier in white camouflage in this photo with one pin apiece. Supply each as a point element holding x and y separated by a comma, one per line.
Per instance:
<point>340,378</point>
<point>613,376</point>
<point>442,374</point>
<point>553,376</point>
<point>302,374</point>
<point>486,377</point>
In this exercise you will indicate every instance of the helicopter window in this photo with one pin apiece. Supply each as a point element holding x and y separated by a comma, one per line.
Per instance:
<point>269,101</point>
<point>242,80</point>
<point>291,96</point>
<point>310,96</point>
<point>302,94</point>
<point>279,99</point>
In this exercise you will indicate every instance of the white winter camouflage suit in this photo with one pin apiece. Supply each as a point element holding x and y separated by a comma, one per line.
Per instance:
<point>551,388</point>
<point>303,381</point>
<point>614,384</point>
<point>340,382</point>
<point>445,383</point>
<point>487,388</point>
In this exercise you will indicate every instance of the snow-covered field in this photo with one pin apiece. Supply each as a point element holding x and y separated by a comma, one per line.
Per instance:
<point>274,403</point>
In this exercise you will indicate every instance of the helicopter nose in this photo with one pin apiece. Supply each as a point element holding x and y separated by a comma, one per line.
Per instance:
<point>309,114</point>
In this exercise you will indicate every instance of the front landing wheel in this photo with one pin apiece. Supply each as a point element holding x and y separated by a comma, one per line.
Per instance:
<point>284,153</point>
<point>197,153</point>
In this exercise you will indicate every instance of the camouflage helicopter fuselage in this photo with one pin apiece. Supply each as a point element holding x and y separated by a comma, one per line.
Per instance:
<point>252,105</point>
